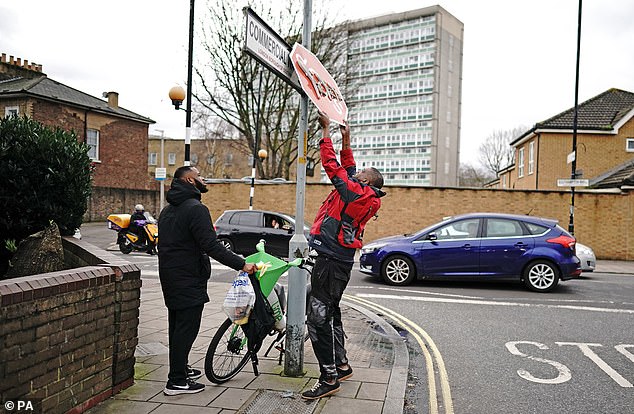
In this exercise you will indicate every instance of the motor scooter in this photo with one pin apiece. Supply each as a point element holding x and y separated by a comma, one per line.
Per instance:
<point>128,240</point>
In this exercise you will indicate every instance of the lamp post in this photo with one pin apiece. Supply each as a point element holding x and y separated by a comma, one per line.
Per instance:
<point>573,173</point>
<point>262,154</point>
<point>177,94</point>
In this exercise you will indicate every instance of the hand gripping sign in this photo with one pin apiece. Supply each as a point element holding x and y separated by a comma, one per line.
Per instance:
<point>320,87</point>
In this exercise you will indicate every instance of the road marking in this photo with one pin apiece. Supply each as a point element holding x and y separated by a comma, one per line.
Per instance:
<point>564,373</point>
<point>415,330</point>
<point>585,348</point>
<point>494,303</point>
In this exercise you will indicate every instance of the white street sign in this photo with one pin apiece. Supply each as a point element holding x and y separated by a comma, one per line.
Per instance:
<point>571,157</point>
<point>160,173</point>
<point>567,182</point>
<point>269,48</point>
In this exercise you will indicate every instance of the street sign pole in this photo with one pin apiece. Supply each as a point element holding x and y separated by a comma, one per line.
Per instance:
<point>298,246</point>
<point>573,174</point>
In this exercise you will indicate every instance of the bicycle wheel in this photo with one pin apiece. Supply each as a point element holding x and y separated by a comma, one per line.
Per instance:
<point>227,353</point>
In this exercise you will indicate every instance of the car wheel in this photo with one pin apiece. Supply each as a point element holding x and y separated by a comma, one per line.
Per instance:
<point>398,271</point>
<point>226,243</point>
<point>541,276</point>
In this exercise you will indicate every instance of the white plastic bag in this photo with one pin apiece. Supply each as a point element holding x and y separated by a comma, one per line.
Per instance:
<point>240,299</point>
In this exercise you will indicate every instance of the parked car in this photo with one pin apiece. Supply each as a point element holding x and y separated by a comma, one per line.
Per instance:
<point>586,256</point>
<point>534,250</point>
<point>241,230</point>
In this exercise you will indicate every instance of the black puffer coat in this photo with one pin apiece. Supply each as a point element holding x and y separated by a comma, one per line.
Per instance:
<point>186,240</point>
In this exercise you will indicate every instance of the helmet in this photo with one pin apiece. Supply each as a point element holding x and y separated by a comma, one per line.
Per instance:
<point>139,207</point>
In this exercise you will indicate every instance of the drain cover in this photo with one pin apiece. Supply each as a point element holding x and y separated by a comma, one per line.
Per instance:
<point>277,402</point>
<point>153,348</point>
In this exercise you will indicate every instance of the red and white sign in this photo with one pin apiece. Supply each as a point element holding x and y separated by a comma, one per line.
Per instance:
<point>320,87</point>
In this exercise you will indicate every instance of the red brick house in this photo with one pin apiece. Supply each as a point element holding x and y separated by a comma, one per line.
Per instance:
<point>118,138</point>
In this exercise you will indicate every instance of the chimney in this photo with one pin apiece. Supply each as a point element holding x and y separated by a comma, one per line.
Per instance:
<point>14,67</point>
<point>113,99</point>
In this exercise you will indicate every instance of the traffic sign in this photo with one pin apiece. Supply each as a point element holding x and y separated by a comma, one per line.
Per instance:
<point>571,157</point>
<point>320,87</point>
<point>268,48</point>
<point>160,173</point>
<point>567,182</point>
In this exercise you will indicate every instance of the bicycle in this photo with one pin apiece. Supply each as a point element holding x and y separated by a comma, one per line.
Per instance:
<point>228,351</point>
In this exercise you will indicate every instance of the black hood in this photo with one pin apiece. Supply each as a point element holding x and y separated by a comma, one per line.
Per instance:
<point>180,191</point>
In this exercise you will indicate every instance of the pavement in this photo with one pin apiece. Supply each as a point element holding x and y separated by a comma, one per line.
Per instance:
<point>377,354</point>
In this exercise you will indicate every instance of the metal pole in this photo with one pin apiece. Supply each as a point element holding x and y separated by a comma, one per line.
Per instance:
<point>573,174</point>
<point>190,55</point>
<point>162,202</point>
<point>255,143</point>
<point>298,246</point>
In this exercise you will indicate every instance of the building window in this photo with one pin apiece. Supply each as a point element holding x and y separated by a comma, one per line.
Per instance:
<point>504,181</point>
<point>92,140</point>
<point>194,159</point>
<point>11,110</point>
<point>520,163</point>
<point>152,157</point>
<point>531,157</point>
<point>629,145</point>
<point>228,159</point>
<point>171,158</point>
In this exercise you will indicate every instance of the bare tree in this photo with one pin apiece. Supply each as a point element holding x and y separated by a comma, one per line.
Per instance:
<point>473,176</point>
<point>235,88</point>
<point>495,152</point>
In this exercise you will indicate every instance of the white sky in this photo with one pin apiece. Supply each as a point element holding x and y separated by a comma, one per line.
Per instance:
<point>518,68</point>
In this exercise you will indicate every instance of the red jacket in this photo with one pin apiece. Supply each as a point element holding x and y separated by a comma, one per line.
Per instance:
<point>338,227</point>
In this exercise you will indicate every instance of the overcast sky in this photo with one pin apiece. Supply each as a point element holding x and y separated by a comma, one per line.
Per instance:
<point>518,69</point>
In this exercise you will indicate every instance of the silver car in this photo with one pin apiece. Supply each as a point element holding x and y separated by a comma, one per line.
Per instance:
<point>586,256</point>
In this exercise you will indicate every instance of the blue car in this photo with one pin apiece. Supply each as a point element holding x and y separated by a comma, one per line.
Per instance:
<point>534,250</point>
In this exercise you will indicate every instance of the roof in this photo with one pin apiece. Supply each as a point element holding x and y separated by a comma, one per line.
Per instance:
<point>622,175</point>
<point>48,89</point>
<point>601,113</point>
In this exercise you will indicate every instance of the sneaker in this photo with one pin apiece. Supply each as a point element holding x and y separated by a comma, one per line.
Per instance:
<point>189,387</point>
<point>193,373</point>
<point>321,389</point>
<point>344,374</point>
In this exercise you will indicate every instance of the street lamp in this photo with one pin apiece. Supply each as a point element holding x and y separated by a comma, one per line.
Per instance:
<point>177,94</point>
<point>262,154</point>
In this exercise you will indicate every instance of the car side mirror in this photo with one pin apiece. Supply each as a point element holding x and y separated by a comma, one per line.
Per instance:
<point>291,230</point>
<point>431,236</point>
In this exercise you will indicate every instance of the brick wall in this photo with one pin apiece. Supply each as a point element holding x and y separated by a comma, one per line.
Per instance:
<point>68,338</point>
<point>603,221</point>
<point>105,201</point>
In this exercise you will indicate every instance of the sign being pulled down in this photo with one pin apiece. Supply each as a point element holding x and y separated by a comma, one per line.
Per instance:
<point>317,83</point>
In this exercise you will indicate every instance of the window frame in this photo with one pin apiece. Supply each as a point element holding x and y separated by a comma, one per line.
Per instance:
<point>629,145</point>
<point>11,110</point>
<point>152,158</point>
<point>91,146</point>
<point>520,163</point>
<point>171,158</point>
<point>531,157</point>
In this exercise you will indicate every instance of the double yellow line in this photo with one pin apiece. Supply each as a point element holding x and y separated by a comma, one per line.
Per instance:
<point>426,344</point>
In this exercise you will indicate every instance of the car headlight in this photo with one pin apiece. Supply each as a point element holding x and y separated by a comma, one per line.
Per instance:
<point>584,250</point>
<point>372,247</point>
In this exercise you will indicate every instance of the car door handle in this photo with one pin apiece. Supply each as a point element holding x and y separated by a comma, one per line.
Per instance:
<point>520,244</point>
<point>467,246</point>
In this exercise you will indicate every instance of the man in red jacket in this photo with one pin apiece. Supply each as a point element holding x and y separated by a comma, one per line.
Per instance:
<point>335,235</point>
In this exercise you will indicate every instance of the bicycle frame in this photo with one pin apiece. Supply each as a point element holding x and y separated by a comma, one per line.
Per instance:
<point>229,345</point>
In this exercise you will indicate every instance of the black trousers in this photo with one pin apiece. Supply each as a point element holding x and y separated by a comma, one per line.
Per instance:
<point>325,329</point>
<point>184,325</point>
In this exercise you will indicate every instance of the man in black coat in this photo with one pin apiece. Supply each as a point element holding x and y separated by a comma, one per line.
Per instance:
<point>186,241</point>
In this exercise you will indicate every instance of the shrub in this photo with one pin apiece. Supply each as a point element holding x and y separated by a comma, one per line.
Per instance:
<point>46,176</point>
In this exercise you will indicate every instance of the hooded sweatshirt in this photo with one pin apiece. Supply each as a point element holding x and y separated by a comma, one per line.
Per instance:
<point>187,239</point>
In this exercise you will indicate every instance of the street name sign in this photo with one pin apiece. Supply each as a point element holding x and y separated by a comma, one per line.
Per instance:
<point>320,87</point>
<point>268,48</point>
<point>160,173</point>
<point>567,182</point>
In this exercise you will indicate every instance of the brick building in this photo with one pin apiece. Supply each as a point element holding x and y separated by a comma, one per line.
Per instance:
<point>117,137</point>
<point>605,146</point>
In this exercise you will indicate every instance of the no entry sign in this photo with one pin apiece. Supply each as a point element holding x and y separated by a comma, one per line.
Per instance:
<point>317,83</point>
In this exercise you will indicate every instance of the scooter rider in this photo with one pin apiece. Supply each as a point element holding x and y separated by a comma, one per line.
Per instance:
<point>136,227</point>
